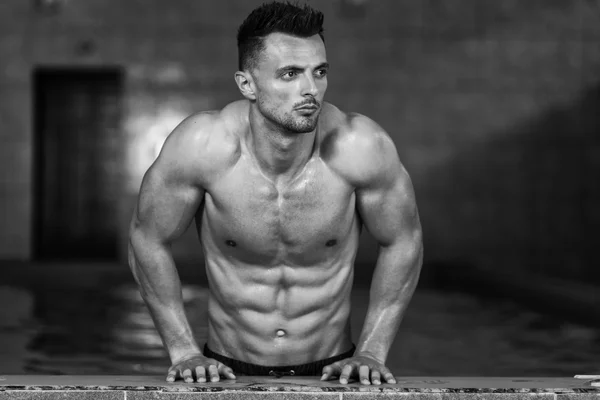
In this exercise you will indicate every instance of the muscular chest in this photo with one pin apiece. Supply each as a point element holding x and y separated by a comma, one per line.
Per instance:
<point>268,223</point>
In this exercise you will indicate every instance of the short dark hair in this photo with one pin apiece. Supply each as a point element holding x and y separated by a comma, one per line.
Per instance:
<point>277,16</point>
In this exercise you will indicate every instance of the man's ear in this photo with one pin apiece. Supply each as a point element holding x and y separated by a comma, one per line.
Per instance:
<point>245,83</point>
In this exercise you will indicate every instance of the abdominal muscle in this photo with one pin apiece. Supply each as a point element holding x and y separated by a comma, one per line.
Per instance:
<point>280,315</point>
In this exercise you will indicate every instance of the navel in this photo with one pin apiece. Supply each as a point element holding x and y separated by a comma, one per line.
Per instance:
<point>230,243</point>
<point>280,333</point>
<point>331,243</point>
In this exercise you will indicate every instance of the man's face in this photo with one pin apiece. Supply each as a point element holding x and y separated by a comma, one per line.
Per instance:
<point>291,79</point>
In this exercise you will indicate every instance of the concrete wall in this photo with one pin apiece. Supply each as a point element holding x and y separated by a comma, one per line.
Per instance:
<point>492,105</point>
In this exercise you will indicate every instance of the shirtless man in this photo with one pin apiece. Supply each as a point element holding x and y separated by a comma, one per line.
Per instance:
<point>280,184</point>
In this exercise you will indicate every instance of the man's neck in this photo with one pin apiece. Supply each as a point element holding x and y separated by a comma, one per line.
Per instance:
<point>280,155</point>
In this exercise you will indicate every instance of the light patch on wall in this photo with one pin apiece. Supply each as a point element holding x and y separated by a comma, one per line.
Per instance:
<point>148,132</point>
<point>163,74</point>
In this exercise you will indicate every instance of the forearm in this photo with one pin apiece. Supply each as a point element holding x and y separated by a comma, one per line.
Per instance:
<point>154,270</point>
<point>394,281</point>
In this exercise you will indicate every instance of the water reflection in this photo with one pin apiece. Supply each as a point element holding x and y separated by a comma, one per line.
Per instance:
<point>67,329</point>
<point>135,345</point>
<point>82,330</point>
<point>16,328</point>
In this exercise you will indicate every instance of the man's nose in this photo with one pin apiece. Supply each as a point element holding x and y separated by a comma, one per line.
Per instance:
<point>309,86</point>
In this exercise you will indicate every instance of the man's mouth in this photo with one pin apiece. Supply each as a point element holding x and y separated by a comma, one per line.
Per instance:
<point>308,107</point>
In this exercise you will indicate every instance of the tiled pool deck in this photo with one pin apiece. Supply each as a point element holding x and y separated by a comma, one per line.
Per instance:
<point>115,387</point>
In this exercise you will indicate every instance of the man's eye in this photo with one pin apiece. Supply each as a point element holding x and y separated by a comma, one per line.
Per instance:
<point>322,72</point>
<point>289,74</point>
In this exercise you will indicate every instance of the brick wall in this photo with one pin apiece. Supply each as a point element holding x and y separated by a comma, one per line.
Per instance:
<point>492,105</point>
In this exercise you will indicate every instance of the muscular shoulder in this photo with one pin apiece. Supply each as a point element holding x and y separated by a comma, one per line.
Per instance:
<point>357,148</point>
<point>200,147</point>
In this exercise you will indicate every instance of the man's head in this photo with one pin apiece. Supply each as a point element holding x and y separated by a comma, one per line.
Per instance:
<point>283,65</point>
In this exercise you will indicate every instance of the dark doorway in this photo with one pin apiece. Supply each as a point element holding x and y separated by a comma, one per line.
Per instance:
<point>78,156</point>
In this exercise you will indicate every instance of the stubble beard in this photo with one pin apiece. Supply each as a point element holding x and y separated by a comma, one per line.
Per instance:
<point>290,123</point>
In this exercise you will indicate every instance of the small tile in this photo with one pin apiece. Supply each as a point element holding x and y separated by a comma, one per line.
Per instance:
<point>578,396</point>
<point>519,394</point>
<point>391,396</point>
<point>62,395</point>
<point>231,395</point>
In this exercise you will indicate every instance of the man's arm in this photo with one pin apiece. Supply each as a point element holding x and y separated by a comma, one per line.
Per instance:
<point>171,193</point>
<point>385,200</point>
<point>387,205</point>
<point>169,197</point>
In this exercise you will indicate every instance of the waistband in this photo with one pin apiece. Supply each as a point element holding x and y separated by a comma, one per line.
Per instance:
<point>310,369</point>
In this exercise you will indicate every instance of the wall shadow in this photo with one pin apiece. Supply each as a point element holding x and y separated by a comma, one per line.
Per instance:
<point>533,192</point>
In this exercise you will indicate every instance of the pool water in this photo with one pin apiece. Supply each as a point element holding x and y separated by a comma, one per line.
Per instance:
<point>105,329</point>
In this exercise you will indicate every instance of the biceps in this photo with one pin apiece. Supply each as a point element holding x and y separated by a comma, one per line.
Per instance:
<point>166,207</point>
<point>390,214</point>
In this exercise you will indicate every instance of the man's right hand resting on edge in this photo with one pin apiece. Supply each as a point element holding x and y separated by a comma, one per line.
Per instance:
<point>203,368</point>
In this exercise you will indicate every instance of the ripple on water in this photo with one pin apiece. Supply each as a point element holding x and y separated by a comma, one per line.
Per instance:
<point>73,330</point>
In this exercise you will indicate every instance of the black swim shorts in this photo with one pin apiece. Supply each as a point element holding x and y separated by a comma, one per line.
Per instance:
<point>311,369</point>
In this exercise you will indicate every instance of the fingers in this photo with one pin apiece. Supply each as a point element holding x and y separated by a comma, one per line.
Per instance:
<point>387,375</point>
<point>375,377</point>
<point>363,374</point>
<point>213,371</point>
<point>226,372</point>
<point>172,375</point>
<point>367,374</point>
<point>389,378</point>
<point>187,375</point>
<point>346,372</point>
<point>200,374</point>
<point>188,370</point>
<point>331,370</point>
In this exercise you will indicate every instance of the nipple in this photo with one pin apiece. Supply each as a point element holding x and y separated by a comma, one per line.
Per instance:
<point>280,333</point>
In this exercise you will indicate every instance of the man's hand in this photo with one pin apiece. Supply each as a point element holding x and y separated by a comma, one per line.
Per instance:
<point>368,370</point>
<point>198,366</point>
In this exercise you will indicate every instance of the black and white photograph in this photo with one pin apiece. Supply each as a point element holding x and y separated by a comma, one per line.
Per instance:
<point>300,199</point>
